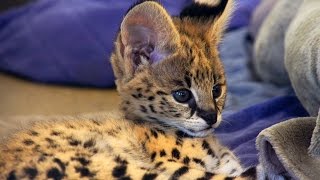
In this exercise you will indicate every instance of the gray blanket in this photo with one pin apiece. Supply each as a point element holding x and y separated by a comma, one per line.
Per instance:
<point>289,42</point>
<point>302,56</point>
<point>284,150</point>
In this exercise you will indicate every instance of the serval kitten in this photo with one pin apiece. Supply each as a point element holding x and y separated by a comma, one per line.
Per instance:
<point>172,85</point>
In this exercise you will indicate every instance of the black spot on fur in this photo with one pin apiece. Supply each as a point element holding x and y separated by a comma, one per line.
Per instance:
<point>55,133</point>
<point>94,151</point>
<point>229,178</point>
<point>210,152</point>
<point>60,164</point>
<point>88,144</point>
<point>207,176</point>
<point>179,142</point>
<point>178,82</point>
<point>151,98</point>
<point>177,115</point>
<point>175,153</point>
<point>165,100</point>
<point>135,96</point>
<point>153,156</point>
<point>83,161</point>
<point>206,146</point>
<point>163,153</point>
<point>70,126</point>
<point>186,160</point>
<point>179,172</point>
<point>125,178</point>
<point>154,133</point>
<point>55,174</point>
<point>36,148</point>
<point>18,149</point>
<point>160,131</point>
<point>151,107</point>
<point>143,109</point>
<point>150,176</point>
<point>96,122</point>
<point>182,134</point>
<point>153,118</point>
<point>187,80</point>
<point>46,154</point>
<point>198,74</point>
<point>161,93</point>
<point>121,161</point>
<point>74,142</point>
<point>28,142</point>
<point>34,133</point>
<point>42,158</point>
<point>158,164</point>
<point>199,161</point>
<point>119,171</point>
<point>224,154</point>
<point>193,106</point>
<point>49,140</point>
<point>171,160</point>
<point>30,172</point>
<point>12,176</point>
<point>147,136</point>
<point>84,172</point>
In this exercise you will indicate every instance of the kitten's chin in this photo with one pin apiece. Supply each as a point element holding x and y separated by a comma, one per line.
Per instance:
<point>202,133</point>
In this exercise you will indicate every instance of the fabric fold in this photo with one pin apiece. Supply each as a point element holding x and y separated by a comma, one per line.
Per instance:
<point>283,150</point>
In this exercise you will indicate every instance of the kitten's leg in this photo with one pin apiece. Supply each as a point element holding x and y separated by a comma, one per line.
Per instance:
<point>229,164</point>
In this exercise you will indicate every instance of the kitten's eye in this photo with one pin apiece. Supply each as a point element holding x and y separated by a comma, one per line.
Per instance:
<point>182,95</point>
<point>216,91</point>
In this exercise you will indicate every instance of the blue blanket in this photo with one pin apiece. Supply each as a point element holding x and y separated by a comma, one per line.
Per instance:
<point>70,42</point>
<point>240,129</point>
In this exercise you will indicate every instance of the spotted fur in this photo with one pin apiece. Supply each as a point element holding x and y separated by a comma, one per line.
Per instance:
<point>157,137</point>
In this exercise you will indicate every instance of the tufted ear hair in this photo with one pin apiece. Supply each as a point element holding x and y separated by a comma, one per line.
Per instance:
<point>147,35</point>
<point>220,23</point>
<point>212,16</point>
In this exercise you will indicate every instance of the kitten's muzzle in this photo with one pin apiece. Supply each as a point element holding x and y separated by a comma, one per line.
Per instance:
<point>209,116</point>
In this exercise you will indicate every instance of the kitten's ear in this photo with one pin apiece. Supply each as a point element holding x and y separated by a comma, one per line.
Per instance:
<point>221,21</point>
<point>211,17</point>
<point>147,35</point>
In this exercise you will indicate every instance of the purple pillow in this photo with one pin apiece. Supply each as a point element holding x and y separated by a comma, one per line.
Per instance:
<point>69,42</point>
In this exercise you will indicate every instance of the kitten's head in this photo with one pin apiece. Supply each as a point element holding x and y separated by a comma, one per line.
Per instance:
<point>168,70</point>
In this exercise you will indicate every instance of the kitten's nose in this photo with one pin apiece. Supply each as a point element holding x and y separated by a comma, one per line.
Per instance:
<point>209,116</point>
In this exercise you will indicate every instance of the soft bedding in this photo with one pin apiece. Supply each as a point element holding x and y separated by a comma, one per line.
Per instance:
<point>69,42</point>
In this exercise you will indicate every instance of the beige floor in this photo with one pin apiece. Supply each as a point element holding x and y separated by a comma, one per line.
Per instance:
<point>20,97</point>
